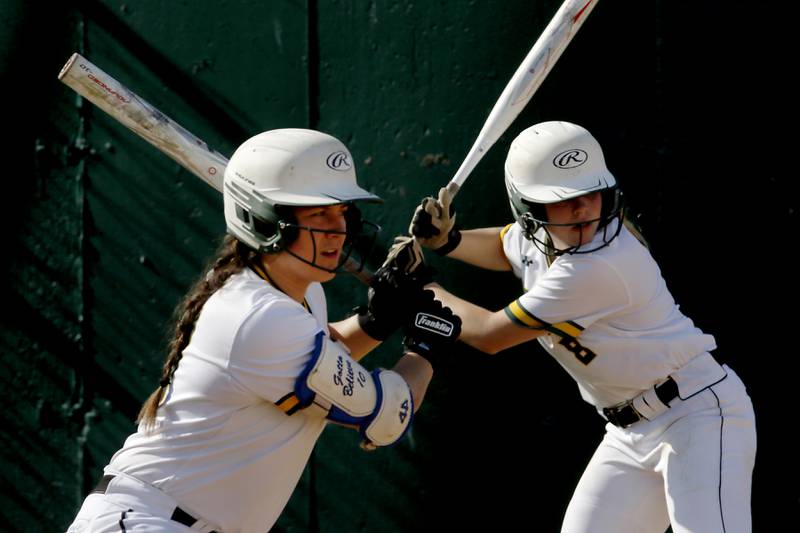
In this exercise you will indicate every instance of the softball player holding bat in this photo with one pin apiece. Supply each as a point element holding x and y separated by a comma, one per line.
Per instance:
<point>680,441</point>
<point>255,371</point>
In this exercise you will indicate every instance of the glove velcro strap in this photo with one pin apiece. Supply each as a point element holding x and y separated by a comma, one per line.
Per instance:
<point>424,350</point>
<point>453,240</point>
<point>429,355</point>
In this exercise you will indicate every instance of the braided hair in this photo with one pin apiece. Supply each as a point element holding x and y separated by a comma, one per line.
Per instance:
<point>231,257</point>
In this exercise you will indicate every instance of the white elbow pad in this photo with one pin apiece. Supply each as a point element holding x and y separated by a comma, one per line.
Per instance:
<point>339,380</point>
<point>393,412</point>
<point>379,404</point>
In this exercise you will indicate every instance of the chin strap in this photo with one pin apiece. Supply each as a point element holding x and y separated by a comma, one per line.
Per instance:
<point>347,249</point>
<point>547,248</point>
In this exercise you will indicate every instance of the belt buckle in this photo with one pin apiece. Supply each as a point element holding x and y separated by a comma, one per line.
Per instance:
<point>623,414</point>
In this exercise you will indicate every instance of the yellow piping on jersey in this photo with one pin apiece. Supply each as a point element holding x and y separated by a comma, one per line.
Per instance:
<point>287,403</point>
<point>521,316</point>
<point>504,231</point>
<point>569,328</point>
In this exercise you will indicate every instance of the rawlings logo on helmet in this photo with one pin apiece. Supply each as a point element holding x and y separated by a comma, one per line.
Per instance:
<point>572,158</point>
<point>339,161</point>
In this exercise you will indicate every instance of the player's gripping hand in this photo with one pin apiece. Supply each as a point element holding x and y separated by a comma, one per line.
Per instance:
<point>434,223</point>
<point>405,256</point>
<point>394,289</point>
<point>433,328</point>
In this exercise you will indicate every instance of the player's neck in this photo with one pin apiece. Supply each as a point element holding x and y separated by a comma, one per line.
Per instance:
<point>285,276</point>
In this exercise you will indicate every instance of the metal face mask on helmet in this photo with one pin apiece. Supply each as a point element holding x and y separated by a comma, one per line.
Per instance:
<point>277,170</point>
<point>556,161</point>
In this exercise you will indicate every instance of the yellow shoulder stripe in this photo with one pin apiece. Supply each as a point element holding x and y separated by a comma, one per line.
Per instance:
<point>568,328</point>
<point>504,231</point>
<point>521,316</point>
<point>288,403</point>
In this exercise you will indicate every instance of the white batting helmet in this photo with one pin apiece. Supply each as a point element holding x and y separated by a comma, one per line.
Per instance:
<point>285,167</point>
<point>555,161</point>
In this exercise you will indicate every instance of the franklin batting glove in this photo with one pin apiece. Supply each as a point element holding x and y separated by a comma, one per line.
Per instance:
<point>391,299</point>
<point>433,329</point>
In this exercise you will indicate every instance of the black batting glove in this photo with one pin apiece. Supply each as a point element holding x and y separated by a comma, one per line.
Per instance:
<point>433,329</point>
<point>393,290</point>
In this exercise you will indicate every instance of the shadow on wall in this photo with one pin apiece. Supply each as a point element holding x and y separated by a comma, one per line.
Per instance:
<point>40,330</point>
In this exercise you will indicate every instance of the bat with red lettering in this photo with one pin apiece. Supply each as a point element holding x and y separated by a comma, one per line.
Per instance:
<point>145,120</point>
<point>155,127</point>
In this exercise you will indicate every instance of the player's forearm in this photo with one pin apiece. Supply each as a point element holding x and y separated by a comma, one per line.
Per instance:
<point>482,248</point>
<point>350,333</point>
<point>488,331</point>
<point>417,372</point>
<point>475,320</point>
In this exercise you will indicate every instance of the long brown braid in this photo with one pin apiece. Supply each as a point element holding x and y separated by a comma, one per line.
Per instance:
<point>231,257</point>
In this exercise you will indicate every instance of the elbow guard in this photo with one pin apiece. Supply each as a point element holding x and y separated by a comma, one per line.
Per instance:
<point>379,404</point>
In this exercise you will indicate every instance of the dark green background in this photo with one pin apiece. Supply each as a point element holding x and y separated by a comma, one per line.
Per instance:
<point>690,101</point>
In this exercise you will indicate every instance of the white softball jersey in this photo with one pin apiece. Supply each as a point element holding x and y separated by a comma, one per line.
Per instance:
<point>221,448</point>
<point>624,331</point>
<point>615,328</point>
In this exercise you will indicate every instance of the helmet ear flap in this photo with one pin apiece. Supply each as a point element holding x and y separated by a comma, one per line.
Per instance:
<point>613,202</point>
<point>274,232</point>
<point>285,226</point>
<point>531,221</point>
<point>269,233</point>
<point>266,229</point>
<point>529,225</point>
<point>529,215</point>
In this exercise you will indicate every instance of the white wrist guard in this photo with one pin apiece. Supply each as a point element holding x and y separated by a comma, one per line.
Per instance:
<point>393,412</point>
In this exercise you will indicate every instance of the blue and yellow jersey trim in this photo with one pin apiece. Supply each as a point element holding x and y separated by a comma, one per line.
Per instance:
<point>522,317</point>
<point>302,396</point>
<point>289,404</point>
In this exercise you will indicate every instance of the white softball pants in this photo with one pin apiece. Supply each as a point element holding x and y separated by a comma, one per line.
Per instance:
<point>691,467</point>
<point>130,505</point>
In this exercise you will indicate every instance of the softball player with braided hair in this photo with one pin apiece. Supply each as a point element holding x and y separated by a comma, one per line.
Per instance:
<point>255,371</point>
<point>680,441</point>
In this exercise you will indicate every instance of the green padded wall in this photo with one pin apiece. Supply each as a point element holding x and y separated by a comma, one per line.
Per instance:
<point>106,234</point>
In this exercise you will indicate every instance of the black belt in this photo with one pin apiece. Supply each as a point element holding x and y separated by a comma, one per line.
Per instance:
<point>178,515</point>
<point>626,414</point>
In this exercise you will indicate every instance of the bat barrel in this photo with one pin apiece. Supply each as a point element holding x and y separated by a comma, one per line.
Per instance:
<point>68,66</point>
<point>526,80</point>
<point>143,119</point>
